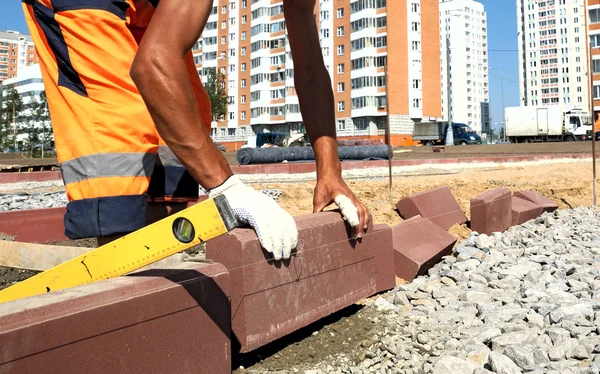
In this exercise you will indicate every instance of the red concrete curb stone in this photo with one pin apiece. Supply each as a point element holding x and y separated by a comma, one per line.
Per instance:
<point>524,210</point>
<point>491,211</point>
<point>437,205</point>
<point>35,176</point>
<point>538,199</point>
<point>270,299</point>
<point>386,278</point>
<point>159,321</point>
<point>35,225</point>
<point>418,245</point>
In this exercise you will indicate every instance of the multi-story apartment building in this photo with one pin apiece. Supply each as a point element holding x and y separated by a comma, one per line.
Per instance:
<point>593,11</point>
<point>28,83</point>
<point>247,41</point>
<point>16,52</point>
<point>553,63</point>
<point>463,37</point>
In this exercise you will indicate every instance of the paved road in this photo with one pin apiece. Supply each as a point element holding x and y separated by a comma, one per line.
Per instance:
<point>408,153</point>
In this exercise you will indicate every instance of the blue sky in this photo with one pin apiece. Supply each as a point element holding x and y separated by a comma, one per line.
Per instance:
<point>502,37</point>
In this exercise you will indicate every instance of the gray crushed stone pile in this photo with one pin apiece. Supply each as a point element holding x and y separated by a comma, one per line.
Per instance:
<point>523,301</point>
<point>32,201</point>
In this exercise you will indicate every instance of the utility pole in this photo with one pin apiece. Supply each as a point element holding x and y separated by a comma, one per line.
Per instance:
<point>591,80</point>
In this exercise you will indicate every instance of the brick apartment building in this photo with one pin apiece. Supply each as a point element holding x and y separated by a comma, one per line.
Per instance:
<point>247,41</point>
<point>16,51</point>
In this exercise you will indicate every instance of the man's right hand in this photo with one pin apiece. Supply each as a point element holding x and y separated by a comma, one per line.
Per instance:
<point>275,228</point>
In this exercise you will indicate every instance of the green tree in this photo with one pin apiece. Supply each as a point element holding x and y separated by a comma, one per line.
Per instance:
<point>11,109</point>
<point>216,88</point>
<point>30,126</point>
<point>43,117</point>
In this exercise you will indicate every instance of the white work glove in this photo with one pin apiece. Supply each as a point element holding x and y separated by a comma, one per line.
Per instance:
<point>275,228</point>
<point>348,209</point>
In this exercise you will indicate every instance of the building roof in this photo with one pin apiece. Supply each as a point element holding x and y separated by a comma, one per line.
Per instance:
<point>14,36</point>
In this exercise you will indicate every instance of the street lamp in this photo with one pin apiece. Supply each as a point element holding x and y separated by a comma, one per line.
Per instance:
<point>449,141</point>
<point>502,84</point>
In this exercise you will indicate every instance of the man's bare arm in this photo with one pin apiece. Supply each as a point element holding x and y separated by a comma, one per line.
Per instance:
<point>160,73</point>
<point>315,96</point>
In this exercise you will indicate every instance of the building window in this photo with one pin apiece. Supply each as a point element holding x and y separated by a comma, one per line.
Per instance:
<point>416,83</point>
<point>340,31</point>
<point>340,68</point>
<point>341,87</point>
<point>340,13</point>
<point>341,106</point>
<point>243,114</point>
<point>340,50</point>
<point>244,19</point>
<point>341,125</point>
<point>416,103</point>
<point>224,9</point>
<point>415,26</point>
<point>324,33</point>
<point>223,25</point>
<point>244,35</point>
<point>243,83</point>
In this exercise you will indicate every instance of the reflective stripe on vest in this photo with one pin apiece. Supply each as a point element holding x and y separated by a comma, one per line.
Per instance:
<point>108,165</point>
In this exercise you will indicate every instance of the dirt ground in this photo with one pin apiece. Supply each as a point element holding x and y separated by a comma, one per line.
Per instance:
<point>569,185</point>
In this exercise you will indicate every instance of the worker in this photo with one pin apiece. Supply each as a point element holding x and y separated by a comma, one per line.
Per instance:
<point>131,118</point>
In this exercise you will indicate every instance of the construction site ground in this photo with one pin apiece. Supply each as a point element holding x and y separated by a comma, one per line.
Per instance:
<point>568,184</point>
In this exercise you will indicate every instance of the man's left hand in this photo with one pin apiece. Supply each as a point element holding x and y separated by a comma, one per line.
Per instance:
<point>333,189</point>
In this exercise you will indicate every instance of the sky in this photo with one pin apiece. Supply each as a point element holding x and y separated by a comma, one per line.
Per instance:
<point>502,48</point>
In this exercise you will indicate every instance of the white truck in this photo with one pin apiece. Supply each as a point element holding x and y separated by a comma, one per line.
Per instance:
<point>528,124</point>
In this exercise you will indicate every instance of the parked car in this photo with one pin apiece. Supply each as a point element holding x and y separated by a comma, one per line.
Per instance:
<point>434,133</point>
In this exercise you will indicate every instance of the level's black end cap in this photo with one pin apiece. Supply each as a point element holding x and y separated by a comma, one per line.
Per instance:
<point>229,219</point>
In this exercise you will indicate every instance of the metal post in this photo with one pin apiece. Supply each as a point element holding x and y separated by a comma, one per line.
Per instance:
<point>450,132</point>
<point>591,79</point>
<point>387,129</point>
<point>502,84</point>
